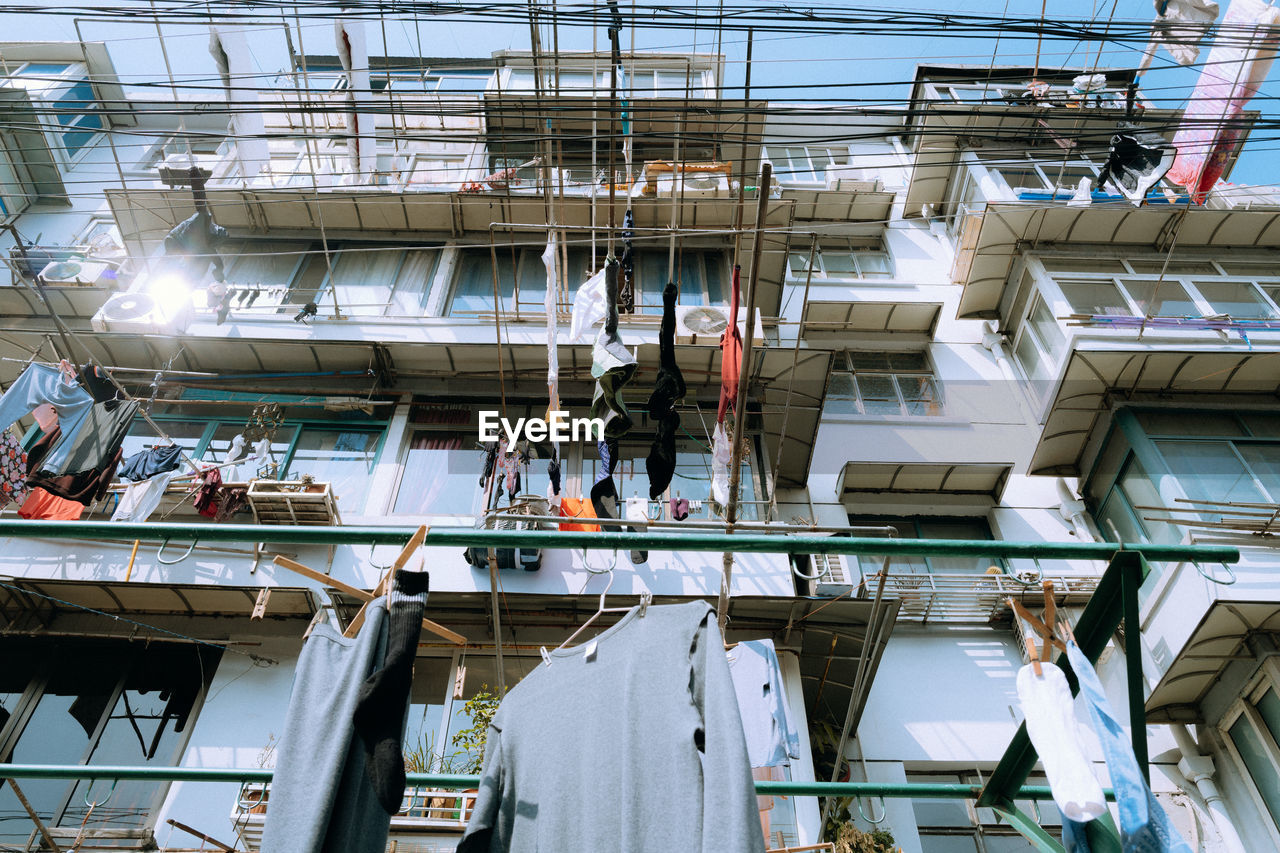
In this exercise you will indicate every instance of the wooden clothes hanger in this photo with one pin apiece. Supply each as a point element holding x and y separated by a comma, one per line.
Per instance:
<point>646,598</point>
<point>383,587</point>
<point>1049,640</point>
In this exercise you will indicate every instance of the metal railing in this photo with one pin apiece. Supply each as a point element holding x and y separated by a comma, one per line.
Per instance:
<point>970,597</point>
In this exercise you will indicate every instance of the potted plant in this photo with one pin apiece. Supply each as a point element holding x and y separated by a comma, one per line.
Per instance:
<point>850,839</point>
<point>480,708</point>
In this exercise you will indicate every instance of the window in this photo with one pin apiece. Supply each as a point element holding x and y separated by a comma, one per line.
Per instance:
<point>337,452</point>
<point>1040,174</point>
<point>94,702</point>
<point>374,282</point>
<point>806,164</point>
<point>1253,731</point>
<point>959,826</point>
<point>702,278</point>
<point>928,528</point>
<point>64,89</point>
<point>692,478</point>
<point>1188,288</point>
<point>442,469</point>
<point>894,384</point>
<point>1040,341</point>
<point>847,260</point>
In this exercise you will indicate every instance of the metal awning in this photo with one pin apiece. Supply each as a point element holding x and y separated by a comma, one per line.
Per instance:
<point>1213,645</point>
<point>1093,376</point>
<point>37,595</point>
<point>989,248</point>
<point>987,480</point>
<point>791,388</point>
<point>823,317</point>
<point>840,205</point>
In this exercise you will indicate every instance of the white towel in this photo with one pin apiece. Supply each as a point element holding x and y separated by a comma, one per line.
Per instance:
<point>1055,733</point>
<point>589,306</point>
<point>141,499</point>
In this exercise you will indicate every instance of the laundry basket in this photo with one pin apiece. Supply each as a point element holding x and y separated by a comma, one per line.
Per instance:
<point>529,559</point>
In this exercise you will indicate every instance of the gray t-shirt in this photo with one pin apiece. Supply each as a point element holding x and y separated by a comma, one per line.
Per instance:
<point>630,742</point>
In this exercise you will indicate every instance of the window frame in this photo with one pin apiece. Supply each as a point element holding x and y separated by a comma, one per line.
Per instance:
<point>929,370</point>
<point>852,247</point>
<point>1245,706</point>
<point>978,828</point>
<point>786,166</point>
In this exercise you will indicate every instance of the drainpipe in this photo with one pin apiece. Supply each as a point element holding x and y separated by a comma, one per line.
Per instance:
<point>994,342</point>
<point>1199,770</point>
<point>1072,510</point>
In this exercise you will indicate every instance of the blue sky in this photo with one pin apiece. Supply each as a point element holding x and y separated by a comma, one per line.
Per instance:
<point>779,59</point>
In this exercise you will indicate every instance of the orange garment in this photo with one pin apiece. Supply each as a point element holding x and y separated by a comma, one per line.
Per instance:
<point>43,505</point>
<point>578,508</point>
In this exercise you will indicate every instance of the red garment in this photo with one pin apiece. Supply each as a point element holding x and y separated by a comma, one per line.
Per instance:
<point>206,502</point>
<point>731,354</point>
<point>578,508</point>
<point>43,505</point>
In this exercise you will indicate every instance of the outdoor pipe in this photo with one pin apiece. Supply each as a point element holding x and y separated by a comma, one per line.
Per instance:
<point>451,781</point>
<point>465,537</point>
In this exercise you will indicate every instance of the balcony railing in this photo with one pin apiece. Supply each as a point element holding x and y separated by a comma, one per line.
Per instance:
<point>927,597</point>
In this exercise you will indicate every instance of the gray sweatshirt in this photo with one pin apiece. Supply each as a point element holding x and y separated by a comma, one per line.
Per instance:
<point>630,742</point>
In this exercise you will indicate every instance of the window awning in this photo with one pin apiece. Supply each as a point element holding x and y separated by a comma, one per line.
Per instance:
<point>988,249</point>
<point>1216,642</point>
<point>1091,377</point>
<point>37,595</point>
<point>906,478</point>
<point>24,137</point>
<point>840,205</point>
<point>827,317</point>
<point>792,391</point>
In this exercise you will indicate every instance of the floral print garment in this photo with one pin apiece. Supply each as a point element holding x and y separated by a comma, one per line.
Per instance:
<point>13,470</point>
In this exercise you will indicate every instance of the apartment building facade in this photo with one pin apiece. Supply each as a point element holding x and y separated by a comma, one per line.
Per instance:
<point>950,343</point>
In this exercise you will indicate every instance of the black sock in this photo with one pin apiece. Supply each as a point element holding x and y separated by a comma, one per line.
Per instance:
<point>383,698</point>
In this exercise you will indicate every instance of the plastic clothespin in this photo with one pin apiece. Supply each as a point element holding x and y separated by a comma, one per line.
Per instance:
<point>546,655</point>
<point>646,598</point>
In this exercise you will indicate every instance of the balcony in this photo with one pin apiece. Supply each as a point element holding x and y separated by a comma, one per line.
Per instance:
<point>983,598</point>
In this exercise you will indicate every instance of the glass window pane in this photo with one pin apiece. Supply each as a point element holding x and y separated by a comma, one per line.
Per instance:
<point>1257,760</point>
<point>343,457</point>
<point>869,360</point>
<point>799,262</point>
<point>142,435</point>
<point>879,397</point>
<point>1022,178</point>
<point>413,283</point>
<point>1209,470</point>
<point>1137,488</point>
<point>424,749</point>
<point>1174,267</point>
<point>1011,843</point>
<point>839,263</point>
<point>961,528</point>
<point>919,395</point>
<point>1046,326</point>
<point>717,294</point>
<point>533,279</point>
<point>841,395</point>
<point>1262,424</point>
<point>947,843</point>
<point>907,361</point>
<point>1269,710</point>
<point>264,264</point>
<point>1264,461</point>
<point>1161,299</point>
<point>362,280</point>
<point>441,474</point>
<point>875,265</point>
<point>1095,297</point>
<point>1028,354</point>
<point>1236,298</point>
<point>473,290</point>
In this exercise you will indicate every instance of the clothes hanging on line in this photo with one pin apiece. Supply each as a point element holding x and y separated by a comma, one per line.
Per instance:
<point>550,260</point>
<point>721,456</point>
<point>148,463</point>
<point>140,499</point>
<point>1144,825</point>
<point>772,738</point>
<point>321,797</point>
<point>206,500</point>
<point>100,388</point>
<point>82,486</point>
<point>612,365</point>
<point>230,501</point>
<point>668,390</point>
<point>604,491</point>
<point>97,442</point>
<point>40,504</point>
<point>46,415</point>
<point>730,352</point>
<point>679,508</point>
<point>654,753</point>
<point>577,508</point>
<point>590,305</point>
<point>40,384</point>
<point>1052,727</point>
<point>13,470</point>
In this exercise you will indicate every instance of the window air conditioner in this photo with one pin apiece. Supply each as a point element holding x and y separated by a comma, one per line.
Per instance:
<point>142,313</point>
<point>852,179</point>
<point>703,324</point>
<point>77,273</point>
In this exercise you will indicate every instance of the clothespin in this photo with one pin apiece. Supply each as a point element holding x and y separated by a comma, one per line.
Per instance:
<point>1046,633</point>
<point>260,606</point>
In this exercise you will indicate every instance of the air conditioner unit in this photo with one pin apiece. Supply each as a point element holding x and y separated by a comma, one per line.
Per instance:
<point>694,185</point>
<point>142,313</point>
<point>852,179</point>
<point>704,324</point>
<point>77,273</point>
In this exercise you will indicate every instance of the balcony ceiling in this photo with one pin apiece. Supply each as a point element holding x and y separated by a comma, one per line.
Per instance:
<point>1216,642</point>
<point>151,599</point>
<point>988,249</point>
<point>1094,378</point>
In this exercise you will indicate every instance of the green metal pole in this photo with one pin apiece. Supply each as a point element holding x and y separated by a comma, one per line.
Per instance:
<point>916,790</point>
<point>1131,574</point>
<point>740,542</point>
